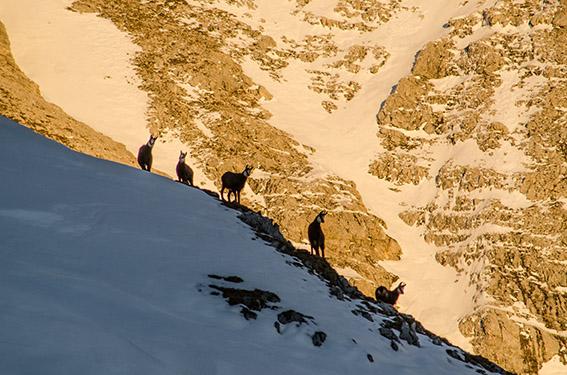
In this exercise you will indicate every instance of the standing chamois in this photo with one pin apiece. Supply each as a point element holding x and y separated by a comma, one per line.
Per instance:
<point>389,296</point>
<point>234,182</point>
<point>145,154</point>
<point>184,172</point>
<point>316,235</point>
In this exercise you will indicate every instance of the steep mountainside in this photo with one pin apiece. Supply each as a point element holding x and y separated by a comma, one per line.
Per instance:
<point>483,119</point>
<point>126,272</point>
<point>462,194</point>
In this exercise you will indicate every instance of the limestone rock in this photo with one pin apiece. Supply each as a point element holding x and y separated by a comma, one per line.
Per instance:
<point>499,336</point>
<point>399,169</point>
<point>404,108</point>
<point>481,58</point>
<point>433,60</point>
<point>511,251</point>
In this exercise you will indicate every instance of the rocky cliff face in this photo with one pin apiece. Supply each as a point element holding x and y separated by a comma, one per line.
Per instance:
<point>482,117</point>
<point>21,100</point>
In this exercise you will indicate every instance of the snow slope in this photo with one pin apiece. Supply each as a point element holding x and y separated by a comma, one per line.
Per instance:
<point>104,271</point>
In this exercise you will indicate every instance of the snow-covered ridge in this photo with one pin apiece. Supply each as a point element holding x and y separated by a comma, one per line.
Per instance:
<point>109,269</point>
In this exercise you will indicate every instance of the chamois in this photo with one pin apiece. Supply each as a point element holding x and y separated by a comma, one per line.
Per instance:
<point>389,296</point>
<point>145,154</point>
<point>234,182</point>
<point>316,235</point>
<point>184,172</point>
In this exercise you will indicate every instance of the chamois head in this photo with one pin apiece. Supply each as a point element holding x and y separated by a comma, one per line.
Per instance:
<point>247,171</point>
<point>401,287</point>
<point>321,217</point>
<point>182,156</point>
<point>152,140</point>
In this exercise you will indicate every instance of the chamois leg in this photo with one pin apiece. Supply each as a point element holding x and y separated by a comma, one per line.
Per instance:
<point>323,251</point>
<point>238,196</point>
<point>222,193</point>
<point>317,249</point>
<point>229,192</point>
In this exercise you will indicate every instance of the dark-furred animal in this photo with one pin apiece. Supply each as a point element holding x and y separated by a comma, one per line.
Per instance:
<point>316,235</point>
<point>184,172</point>
<point>234,182</point>
<point>389,296</point>
<point>145,154</point>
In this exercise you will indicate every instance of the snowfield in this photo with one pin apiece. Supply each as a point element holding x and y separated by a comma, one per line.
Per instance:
<point>104,271</point>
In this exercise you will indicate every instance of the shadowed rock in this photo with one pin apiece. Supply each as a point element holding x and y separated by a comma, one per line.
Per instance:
<point>256,299</point>
<point>319,338</point>
<point>290,316</point>
<point>231,279</point>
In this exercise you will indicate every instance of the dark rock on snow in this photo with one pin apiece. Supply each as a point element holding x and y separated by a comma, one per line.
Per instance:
<point>256,299</point>
<point>289,316</point>
<point>319,338</point>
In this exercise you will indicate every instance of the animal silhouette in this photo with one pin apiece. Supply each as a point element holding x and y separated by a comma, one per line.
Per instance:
<point>234,182</point>
<point>389,296</point>
<point>316,235</point>
<point>184,172</point>
<point>145,154</point>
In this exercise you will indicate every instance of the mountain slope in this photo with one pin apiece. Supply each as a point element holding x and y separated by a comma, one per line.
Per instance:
<point>462,192</point>
<point>108,269</point>
<point>195,60</point>
<point>488,142</point>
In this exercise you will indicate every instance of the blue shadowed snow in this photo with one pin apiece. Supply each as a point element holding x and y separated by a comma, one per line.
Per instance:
<point>104,271</point>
